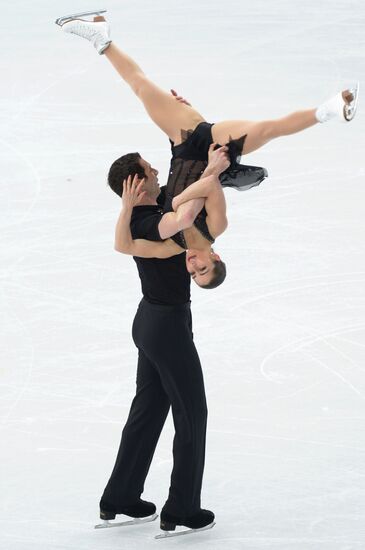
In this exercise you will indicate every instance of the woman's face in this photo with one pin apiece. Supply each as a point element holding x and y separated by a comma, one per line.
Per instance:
<point>200,265</point>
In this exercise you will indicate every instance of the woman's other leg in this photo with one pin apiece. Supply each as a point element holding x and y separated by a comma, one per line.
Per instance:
<point>260,133</point>
<point>169,114</point>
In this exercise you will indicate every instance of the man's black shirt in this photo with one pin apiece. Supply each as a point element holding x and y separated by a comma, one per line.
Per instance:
<point>164,281</point>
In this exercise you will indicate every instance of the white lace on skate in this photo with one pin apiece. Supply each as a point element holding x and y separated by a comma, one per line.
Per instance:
<point>97,32</point>
<point>166,534</point>
<point>107,524</point>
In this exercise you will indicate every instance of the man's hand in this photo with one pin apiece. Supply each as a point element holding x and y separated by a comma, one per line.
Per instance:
<point>218,160</point>
<point>132,192</point>
<point>179,98</point>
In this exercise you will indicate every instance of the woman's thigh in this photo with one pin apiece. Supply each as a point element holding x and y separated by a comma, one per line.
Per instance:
<point>166,112</point>
<point>257,133</point>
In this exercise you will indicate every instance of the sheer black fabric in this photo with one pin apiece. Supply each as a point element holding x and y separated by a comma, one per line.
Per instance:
<point>189,160</point>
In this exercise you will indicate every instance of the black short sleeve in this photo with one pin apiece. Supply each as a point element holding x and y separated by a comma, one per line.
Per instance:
<point>162,196</point>
<point>145,221</point>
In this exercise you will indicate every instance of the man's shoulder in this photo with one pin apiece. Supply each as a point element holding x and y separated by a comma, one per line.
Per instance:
<point>146,211</point>
<point>144,222</point>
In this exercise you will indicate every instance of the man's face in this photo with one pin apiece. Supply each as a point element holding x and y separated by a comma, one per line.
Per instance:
<point>151,180</point>
<point>200,265</point>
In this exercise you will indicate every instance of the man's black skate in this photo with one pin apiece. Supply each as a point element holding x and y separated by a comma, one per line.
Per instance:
<point>202,520</point>
<point>141,511</point>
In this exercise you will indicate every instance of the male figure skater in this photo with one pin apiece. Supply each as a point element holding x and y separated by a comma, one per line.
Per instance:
<point>168,372</point>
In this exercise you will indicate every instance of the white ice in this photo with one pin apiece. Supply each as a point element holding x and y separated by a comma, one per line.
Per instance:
<point>282,342</point>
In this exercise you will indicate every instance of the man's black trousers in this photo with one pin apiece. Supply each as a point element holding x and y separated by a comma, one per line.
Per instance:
<point>168,373</point>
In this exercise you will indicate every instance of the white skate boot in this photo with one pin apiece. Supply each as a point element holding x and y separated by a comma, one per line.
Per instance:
<point>341,107</point>
<point>96,31</point>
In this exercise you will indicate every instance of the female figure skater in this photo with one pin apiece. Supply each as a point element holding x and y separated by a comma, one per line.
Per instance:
<point>191,136</point>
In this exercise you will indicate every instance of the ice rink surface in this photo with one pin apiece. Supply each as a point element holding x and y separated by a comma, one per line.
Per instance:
<point>282,342</point>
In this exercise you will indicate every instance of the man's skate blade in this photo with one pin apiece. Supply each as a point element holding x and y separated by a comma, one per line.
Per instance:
<point>136,521</point>
<point>167,534</point>
<point>65,18</point>
<point>353,106</point>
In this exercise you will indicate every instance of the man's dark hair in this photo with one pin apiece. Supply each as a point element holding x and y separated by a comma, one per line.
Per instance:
<point>219,274</point>
<point>127,165</point>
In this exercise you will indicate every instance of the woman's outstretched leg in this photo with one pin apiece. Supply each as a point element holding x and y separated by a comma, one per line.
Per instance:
<point>169,114</point>
<point>259,133</point>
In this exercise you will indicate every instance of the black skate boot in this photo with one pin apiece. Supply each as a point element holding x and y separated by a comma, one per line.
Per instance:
<point>141,511</point>
<point>202,520</point>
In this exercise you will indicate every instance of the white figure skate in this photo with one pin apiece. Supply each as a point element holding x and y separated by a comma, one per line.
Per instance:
<point>136,521</point>
<point>96,31</point>
<point>337,108</point>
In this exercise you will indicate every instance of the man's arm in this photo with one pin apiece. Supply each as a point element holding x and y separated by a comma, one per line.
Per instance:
<point>199,189</point>
<point>140,247</point>
<point>173,222</point>
<point>124,242</point>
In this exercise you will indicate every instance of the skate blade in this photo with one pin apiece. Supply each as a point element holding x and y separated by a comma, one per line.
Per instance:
<point>136,521</point>
<point>350,111</point>
<point>65,18</point>
<point>167,534</point>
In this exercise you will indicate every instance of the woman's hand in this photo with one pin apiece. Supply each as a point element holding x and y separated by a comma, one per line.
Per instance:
<point>179,98</point>
<point>133,192</point>
<point>218,159</point>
